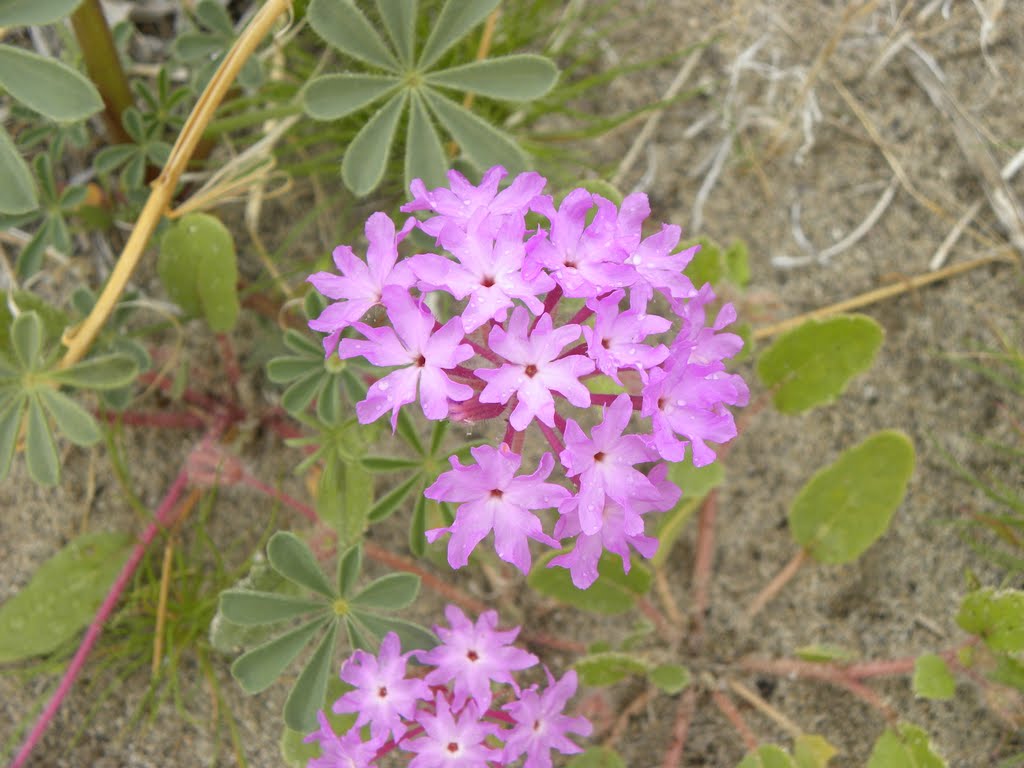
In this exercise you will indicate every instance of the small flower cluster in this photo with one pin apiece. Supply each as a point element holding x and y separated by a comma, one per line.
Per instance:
<point>514,350</point>
<point>449,717</point>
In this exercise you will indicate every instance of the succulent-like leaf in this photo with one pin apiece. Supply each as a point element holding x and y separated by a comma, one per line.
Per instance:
<point>256,670</point>
<point>388,503</point>
<point>520,77</point>
<point>28,13</point>
<point>73,421</point>
<point>18,192</point>
<point>389,593</point>
<point>425,156</point>
<point>671,678</point>
<point>399,18</point>
<point>456,19</point>
<point>62,596</point>
<point>768,756</point>
<point>597,757</point>
<point>848,505</point>
<point>100,373</point>
<point>907,747</point>
<point>249,608</point>
<point>290,557</point>
<point>482,143</point>
<point>48,86</point>
<point>412,635</point>
<point>342,25</point>
<point>812,751</point>
<point>367,155</point>
<point>330,97</point>
<point>996,616</point>
<point>218,276</point>
<point>307,695</point>
<point>609,668</point>
<point>613,592</point>
<point>932,678</point>
<point>40,448</point>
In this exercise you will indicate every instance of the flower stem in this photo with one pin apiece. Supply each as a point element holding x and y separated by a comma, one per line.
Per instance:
<point>104,66</point>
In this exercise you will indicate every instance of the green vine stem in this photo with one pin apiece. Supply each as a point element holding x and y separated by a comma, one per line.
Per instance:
<point>103,65</point>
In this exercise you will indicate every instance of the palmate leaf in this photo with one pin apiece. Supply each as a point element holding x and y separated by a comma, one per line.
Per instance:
<point>307,695</point>
<point>342,25</point>
<point>12,411</point>
<point>290,557</point>
<point>26,13</point>
<point>389,593</point>
<point>425,156</point>
<point>399,18</point>
<point>514,78</point>
<point>388,503</point>
<point>40,448</point>
<point>349,566</point>
<point>483,144</point>
<point>18,192</point>
<point>331,97</point>
<point>27,339</point>
<point>412,635</point>
<point>100,373</point>
<point>367,156</point>
<point>456,19</point>
<point>73,421</point>
<point>47,86</point>
<point>256,670</point>
<point>249,608</point>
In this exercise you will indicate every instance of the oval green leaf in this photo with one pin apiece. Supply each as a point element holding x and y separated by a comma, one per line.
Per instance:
<point>613,592</point>
<point>249,608</point>
<point>609,668</point>
<point>768,756</point>
<point>456,19</point>
<point>389,593</point>
<point>290,557</point>
<point>73,421</point>
<point>597,757</point>
<point>18,192</point>
<point>308,693</point>
<point>481,142</point>
<point>40,449</point>
<point>27,13</point>
<point>996,616</point>
<point>367,156</point>
<point>62,596</point>
<point>331,97</point>
<point>848,505</point>
<point>513,78</point>
<point>342,25</point>
<point>812,751</point>
<point>671,678</point>
<point>47,86</point>
<point>906,748</point>
<point>256,670</point>
<point>218,270</point>
<point>100,373</point>
<point>932,678</point>
<point>812,364</point>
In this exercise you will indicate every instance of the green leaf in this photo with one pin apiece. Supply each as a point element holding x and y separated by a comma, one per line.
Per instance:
<point>331,97</point>
<point>768,756</point>
<point>514,78</point>
<point>18,192</point>
<point>178,264</point>
<point>848,505</point>
<point>417,526</point>
<point>932,678</point>
<point>217,273</point>
<point>74,422</point>
<point>257,669</point>
<point>413,636</point>
<point>349,565</point>
<point>300,393</point>
<point>27,339</point>
<point>307,695</point>
<point>389,593</point>
<point>456,19</point>
<point>40,449</point>
<point>100,373</point>
<point>425,157</point>
<point>342,25</point>
<point>671,678</point>
<point>706,264</point>
<point>328,401</point>
<point>62,596</point>
<point>295,751</point>
<point>388,503</point>
<point>597,757</point>
<point>380,464</point>
<point>399,18</point>
<point>825,653</point>
<point>346,493</point>
<point>906,748</point>
<point>367,155</point>
<point>609,668</point>
<point>1009,672</point>
<point>29,13</point>
<point>289,556</point>
<point>282,370</point>
<point>408,432</point>
<point>813,363</point>
<point>613,592</point>
<point>812,751</point>
<point>605,189</point>
<point>736,260</point>
<point>997,617</point>
<point>47,86</point>
<point>249,608</point>
<point>11,415</point>
<point>481,142</point>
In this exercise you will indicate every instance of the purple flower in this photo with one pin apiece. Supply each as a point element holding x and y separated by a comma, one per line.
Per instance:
<point>697,344</point>
<point>657,268</point>
<point>585,261</point>
<point>613,536</point>
<point>424,354</point>
<point>616,340</point>
<point>347,751</point>
<point>532,370</point>
<point>492,498</point>
<point>474,655</point>
<point>489,271</point>
<point>456,206</point>
<point>361,284</point>
<point>451,742</point>
<point>604,464</point>
<point>382,696</point>
<point>541,726</point>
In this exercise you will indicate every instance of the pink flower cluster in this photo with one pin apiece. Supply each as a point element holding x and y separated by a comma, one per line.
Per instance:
<point>515,350</point>
<point>448,717</point>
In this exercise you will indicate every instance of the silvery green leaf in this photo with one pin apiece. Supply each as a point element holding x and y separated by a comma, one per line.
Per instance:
<point>27,339</point>
<point>100,373</point>
<point>73,421</point>
<point>341,24</point>
<point>40,449</point>
<point>291,558</point>
<point>456,19</point>
<point>389,593</point>
<point>27,13</point>
<point>514,78</point>
<point>18,192</point>
<point>257,669</point>
<point>367,156</point>
<point>331,97</point>
<point>425,156</point>
<point>47,86</point>
<point>11,414</point>
<point>481,142</point>
<point>399,18</point>
<point>307,695</point>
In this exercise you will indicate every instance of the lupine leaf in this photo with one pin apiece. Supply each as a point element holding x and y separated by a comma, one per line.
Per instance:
<point>74,422</point>
<point>40,449</point>
<point>848,505</point>
<point>609,668</point>
<point>379,464</point>
<point>284,369</point>
<point>367,155</point>
<point>514,78</point>
<point>932,678</point>
<point>388,503</point>
<point>28,13</point>
<point>408,432</point>
<point>256,670</point>
<point>331,97</point>
<point>456,19</point>
<point>349,565</point>
<point>307,695</point>
<point>399,18</point>
<point>907,748</point>
<point>47,86</point>
<point>389,593</point>
<point>249,608</point>
<point>328,401</point>
<point>342,25</point>
<point>996,616</point>
<point>412,635</point>
<point>613,592</point>
<point>417,527</point>
<point>482,143</point>
<point>813,363</point>
<point>290,557</point>
<point>62,596</point>
<point>18,192</point>
<point>425,157</point>
<point>100,373</point>
<point>11,416</point>
<point>297,397</point>
<point>27,339</point>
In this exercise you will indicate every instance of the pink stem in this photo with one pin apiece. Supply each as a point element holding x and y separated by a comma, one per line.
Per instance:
<point>552,438</point>
<point>303,509</point>
<point>580,317</point>
<point>638,401</point>
<point>162,519</point>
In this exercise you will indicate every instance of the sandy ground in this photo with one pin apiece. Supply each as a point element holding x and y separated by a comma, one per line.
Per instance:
<point>808,115</point>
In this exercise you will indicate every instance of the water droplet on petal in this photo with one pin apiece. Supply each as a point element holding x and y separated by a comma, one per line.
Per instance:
<point>680,403</point>
<point>382,386</point>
